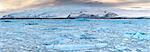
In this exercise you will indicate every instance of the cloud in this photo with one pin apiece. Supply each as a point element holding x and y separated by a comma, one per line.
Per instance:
<point>18,4</point>
<point>135,6</point>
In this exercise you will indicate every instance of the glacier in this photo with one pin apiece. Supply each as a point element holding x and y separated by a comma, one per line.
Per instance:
<point>64,11</point>
<point>78,35</point>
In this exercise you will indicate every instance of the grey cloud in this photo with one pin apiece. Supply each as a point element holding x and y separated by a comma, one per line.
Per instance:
<point>99,3</point>
<point>35,3</point>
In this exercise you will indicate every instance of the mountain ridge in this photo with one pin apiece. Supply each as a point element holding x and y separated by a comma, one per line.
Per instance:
<point>64,11</point>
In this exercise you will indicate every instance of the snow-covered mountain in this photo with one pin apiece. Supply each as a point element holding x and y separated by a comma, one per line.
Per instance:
<point>44,12</point>
<point>64,11</point>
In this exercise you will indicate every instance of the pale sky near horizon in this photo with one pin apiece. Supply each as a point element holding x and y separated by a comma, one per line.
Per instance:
<point>122,4</point>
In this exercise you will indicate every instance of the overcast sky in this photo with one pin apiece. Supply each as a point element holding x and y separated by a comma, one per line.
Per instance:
<point>122,4</point>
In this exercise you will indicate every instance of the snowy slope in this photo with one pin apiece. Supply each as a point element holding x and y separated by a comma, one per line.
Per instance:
<point>64,11</point>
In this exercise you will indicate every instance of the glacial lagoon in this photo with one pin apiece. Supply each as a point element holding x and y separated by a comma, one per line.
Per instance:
<point>75,35</point>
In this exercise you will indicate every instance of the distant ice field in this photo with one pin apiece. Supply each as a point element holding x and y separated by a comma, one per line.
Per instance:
<point>78,35</point>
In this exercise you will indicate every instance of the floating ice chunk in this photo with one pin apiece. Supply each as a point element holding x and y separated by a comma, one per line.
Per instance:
<point>138,35</point>
<point>76,47</point>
